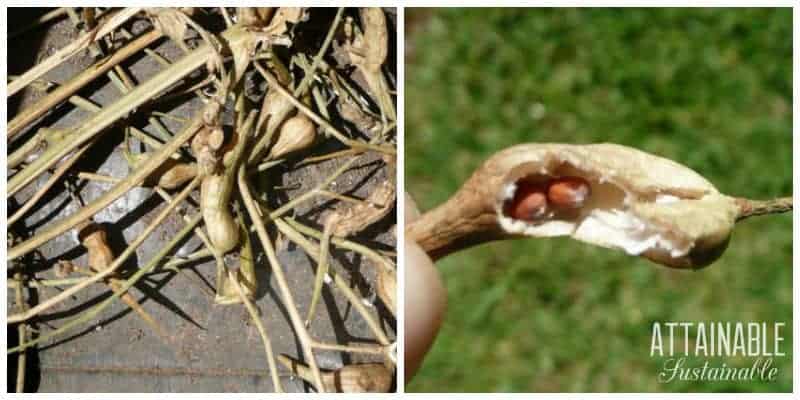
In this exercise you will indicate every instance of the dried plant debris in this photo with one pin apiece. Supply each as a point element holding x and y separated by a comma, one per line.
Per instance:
<point>230,148</point>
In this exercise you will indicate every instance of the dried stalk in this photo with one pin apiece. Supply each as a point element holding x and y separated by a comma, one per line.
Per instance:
<point>71,49</point>
<point>57,174</point>
<point>322,270</point>
<point>751,208</point>
<point>109,114</point>
<point>251,309</point>
<point>297,322</point>
<point>340,242</point>
<point>357,302</point>
<point>22,331</point>
<point>64,91</point>
<point>107,198</point>
<point>362,349</point>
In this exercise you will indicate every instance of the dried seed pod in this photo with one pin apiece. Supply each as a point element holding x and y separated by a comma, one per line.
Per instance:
<point>633,201</point>
<point>205,146</point>
<point>354,219</point>
<point>171,174</point>
<point>176,174</point>
<point>222,229</point>
<point>387,288</point>
<point>376,37</point>
<point>355,378</point>
<point>93,238</point>
<point>226,291</point>
<point>297,133</point>
<point>367,51</point>
<point>254,17</point>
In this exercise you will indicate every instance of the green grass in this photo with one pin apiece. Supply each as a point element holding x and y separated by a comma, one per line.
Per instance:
<point>708,88</point>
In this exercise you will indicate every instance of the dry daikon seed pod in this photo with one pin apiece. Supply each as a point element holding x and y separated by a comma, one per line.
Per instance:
<point>93,238</point>
<point>376,37</point>
<point>355,218</point>
<point>226,291</point>
<point>387,288</point>
<point>354,378</point>
<point>222,229</point>
<point>169,175</point>
<point>254,16</point>
<point>176,173</point>
<point>637,202</point>
<point>297,133</point>
<point>205,148</point>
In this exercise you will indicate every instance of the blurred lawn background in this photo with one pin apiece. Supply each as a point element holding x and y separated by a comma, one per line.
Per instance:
<point>710,88</point>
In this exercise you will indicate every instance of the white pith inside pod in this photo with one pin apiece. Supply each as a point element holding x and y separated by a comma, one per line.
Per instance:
<point>640,203</point>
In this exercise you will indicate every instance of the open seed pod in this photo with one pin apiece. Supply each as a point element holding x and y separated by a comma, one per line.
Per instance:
<point>354,378</point>
<point>604,194</point>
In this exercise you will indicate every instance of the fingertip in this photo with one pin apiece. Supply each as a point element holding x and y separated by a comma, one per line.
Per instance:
<point>425,305</point>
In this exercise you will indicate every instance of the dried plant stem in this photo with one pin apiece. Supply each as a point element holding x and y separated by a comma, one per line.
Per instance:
<point>356,301</point>
<point>265,166</point>
<point>22,331</point>
<point>87,105</point>
<point>179,261</point>
<point>71,49</point>
<point>111,268</point>
<point>370,349</point>
<point>108,197</point>
<point>335,154</point>
<point>751,208</point>
<point>66,90</point>
<point>57,174</point>
<point>12,283</point>
<point>125,84</point>
<point>251,309</point>
<point>42,137</point>
<point>273,82</point>
<point>297,322</point>
<point>322,270</point>
<point>89,176</point>
<point>340,242</point>
<point>89,314</point>
<point>341,197</point>
<point>202,235</point>
<point>109,114</point>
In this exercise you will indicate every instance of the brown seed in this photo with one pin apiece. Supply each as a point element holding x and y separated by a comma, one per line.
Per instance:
<point>568,192</point>
<point>529,202</point>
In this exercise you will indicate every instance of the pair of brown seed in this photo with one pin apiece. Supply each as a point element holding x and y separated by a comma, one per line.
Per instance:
<point>533,199</point>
